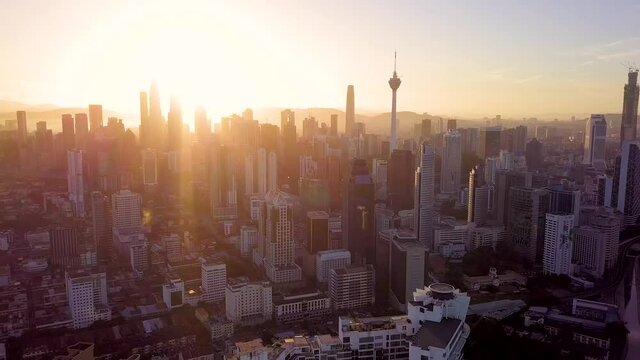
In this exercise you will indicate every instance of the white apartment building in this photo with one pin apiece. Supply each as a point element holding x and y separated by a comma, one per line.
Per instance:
<point>279,246</point>
<point>214,280</point>
<point>487,236</point>
<point>87,296</point>
<point>294,308</point>
<point>330,259</point>
<point>558,244</point>
<point>248,303</point>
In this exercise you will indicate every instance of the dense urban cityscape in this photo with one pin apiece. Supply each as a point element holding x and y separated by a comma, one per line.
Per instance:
<point>330,234</point>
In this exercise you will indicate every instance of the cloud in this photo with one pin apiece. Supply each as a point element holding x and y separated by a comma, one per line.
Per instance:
<point>617,49</point>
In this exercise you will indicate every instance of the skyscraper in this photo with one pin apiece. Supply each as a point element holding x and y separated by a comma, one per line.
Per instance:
<point>451,163</point>
<point>202,124</point>
<point>144,120</point>
<point>626,187</point>
<point>534,154</point>
<point>81,130</point>
<point>358,213</point>
<point>68,132</point>
<point>490,142</point>
<point>478,198</point>
<point>394,83</point>
<point>558,244</point>
<point>400,176</point>
<point>519,139</point>
<point>174,126</point>
<point>425,196</point>
<point>21,117</point>
<point>595,136</point>
<point>334,125</point>
<point>149,167</point>
<point>629,122</point>
<point>425,130</point>
<point>75,181</point>
<point>95,117</point>
<point>350,113</point>
<point>528,209</point>
<point>101,221</point>
<point>154,131</point>
<point>278,239</point>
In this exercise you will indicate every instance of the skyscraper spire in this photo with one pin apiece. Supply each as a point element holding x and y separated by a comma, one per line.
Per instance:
<point>394,83</point>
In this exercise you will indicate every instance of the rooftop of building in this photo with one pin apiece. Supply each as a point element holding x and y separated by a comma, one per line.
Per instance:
<point>353,269</point>
<point>372,323</point>
<point>280,299</point>
<point>332,251</point>
<point>436,334</point>
<point>317,214</point>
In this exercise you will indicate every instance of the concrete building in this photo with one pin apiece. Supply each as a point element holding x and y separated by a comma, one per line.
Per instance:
<point>626,187</point>
<point>478,200</point>
<point>248,239</point>
<point>317,231</point>
<point>487,236</point>
<point>451,163</point>
<point>248,303</point>
<point>589,250</point>
<point>75,181</point>
<point>407,269</point>
<point>278,239</point>
<point>214,280</point>
<point>352,287</point>
<point>558,244</point>
<point>425,196</point>
<point>149,167</point>
<point>527,209</point>
<point>330,259</point>
<point>126,210</point>
<point>87,296</point>
<point>595,136</point>
<point>173,293</point>
<point>172,245</point>
<point>295,308</point>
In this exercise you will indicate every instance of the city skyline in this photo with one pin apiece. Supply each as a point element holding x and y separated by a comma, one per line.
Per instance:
<point>120,50</point>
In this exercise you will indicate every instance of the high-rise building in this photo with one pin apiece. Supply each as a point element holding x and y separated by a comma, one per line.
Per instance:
<point>149,167</point>
<point>565,200</point>
<point>87,296</point>
<point>589,250</point>
<point>425,196</point>
<point>504,181</point>
<point>101,221</point>
<point>81,130</point>
<point>452,124</point>
<point>68,132</point>
<point>317,231</point>
<point>451,163</point>
<point>65,246</point>
<point>174,126</point>
<point>425,130</point>
<point>202,124</point>
<point>629,121</point>
<point>489,142</point>
<point>534,154</point>
<point>607,221</point>
<point>333,131</point>
<point>626,183</point>
<point>394,83</point>
<point>352,287</point>
<point>478,198</point>
<point>214,280</point>
<point>595,137</point>
<point>358,213</point>
<point>330,259</point>
<point>155,129</point>
<point>350,115</point>
<point>558,244</point>
<point>144,120</point>
<point>407,264</point>
<point>400,176</point>
<point>95,117</point>
<point>126,209</point>
<point>519,140</point>
<point>379,173</point>
<point>75,181</point>
<point>21,118</point>
<point>223,183</point>
<point>528,208</point>
<point>277,224</point>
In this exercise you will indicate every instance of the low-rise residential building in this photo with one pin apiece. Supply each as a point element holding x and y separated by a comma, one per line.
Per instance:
<point>294,308</point>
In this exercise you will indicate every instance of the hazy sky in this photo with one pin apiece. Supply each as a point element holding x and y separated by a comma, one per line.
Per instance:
<point>465,58</point>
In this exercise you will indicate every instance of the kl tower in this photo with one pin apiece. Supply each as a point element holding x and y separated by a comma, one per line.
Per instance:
<point>394,83</point>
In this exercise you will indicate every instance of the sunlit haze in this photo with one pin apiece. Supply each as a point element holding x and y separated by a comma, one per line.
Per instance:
<point>459,58</point>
